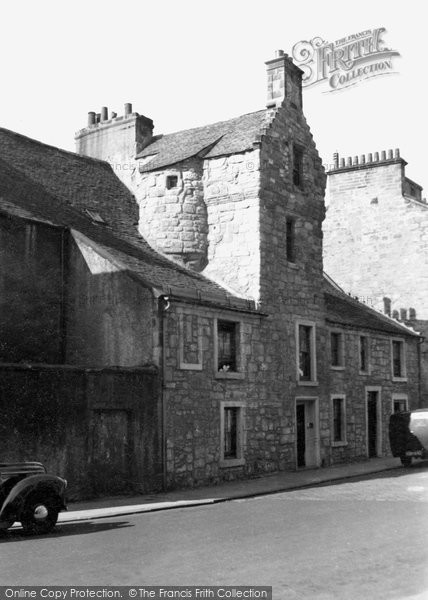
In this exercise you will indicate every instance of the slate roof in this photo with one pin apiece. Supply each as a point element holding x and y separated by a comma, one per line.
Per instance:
<point>342,309</point>
<point>37,193</point>
<point>218,139</point>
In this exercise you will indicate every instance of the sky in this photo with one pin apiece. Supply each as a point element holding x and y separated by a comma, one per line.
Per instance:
<point>185,63</point>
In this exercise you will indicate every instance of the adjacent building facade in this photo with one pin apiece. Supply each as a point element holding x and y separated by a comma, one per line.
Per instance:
<point>376,239</point>
<point>203,267</point>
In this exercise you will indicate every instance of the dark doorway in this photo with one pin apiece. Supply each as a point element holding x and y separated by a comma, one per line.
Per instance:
<point>301,445</point>
<point>372,423</point>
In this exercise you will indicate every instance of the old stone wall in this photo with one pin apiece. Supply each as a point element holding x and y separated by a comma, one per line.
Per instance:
<point>231,186</point>
<point>375,238</point>
<point>31,288</point>
<point>195,392</point>
<point>173,215</point>
<point>101,430</point>
<point>354,384</point>
<point>110,317</point>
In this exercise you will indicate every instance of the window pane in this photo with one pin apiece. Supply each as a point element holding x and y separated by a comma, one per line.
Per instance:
<point>363,353</point>
<point>305,366</point>
<point>335,349</point>
<point>396,359</point>
<point>289,239</point>
<point>231,432</point>
<point>297,166</point>
<point>226,338</point>
<point>337,419</point>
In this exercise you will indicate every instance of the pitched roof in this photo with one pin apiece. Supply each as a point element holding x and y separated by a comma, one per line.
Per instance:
<point>29,198</point>
<point>217,139</point>
<point>79,181</point>
<point>342,309</point>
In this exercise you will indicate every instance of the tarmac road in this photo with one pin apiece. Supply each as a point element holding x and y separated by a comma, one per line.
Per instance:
<point>354,539</point>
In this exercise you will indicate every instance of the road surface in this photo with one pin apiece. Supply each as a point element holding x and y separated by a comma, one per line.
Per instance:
<point>355,539</point>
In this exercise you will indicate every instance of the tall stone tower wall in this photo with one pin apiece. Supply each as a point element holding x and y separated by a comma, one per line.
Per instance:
<point>376,232</point>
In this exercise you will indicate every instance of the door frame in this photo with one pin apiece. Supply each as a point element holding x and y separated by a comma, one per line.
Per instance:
<point>379,423</point>
<point>315,402</point>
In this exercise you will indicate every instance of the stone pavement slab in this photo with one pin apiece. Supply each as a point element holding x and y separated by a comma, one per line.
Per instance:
<point>269,484</point>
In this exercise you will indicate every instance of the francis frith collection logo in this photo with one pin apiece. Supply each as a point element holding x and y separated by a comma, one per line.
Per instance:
<point>345,62</point>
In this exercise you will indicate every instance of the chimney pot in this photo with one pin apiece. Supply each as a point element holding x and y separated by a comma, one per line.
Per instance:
<point>383,155</point>
<point>279,53</point>
<point>390,155</point>
<point>342,162</point>
<point>363,159</point>
<point>91,118</point>
<point>336,160</point>
<point>349,162</point>
<point>412,314</point>
<point>387,306</point>
<point>403,314</point>
<point>369,157</point>
<point>355,160</point>
<point>113,115</point>
<point>128,109</point>
<point>395,314</point>
<point>104,113</point>
<point>397,153</point>
<point>376,157</point>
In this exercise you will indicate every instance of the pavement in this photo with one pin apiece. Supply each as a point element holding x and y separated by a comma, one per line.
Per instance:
<point>234,490</point>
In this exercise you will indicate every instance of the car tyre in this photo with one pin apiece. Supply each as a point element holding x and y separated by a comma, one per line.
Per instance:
<point>40,514</point>
<point>406,461</point>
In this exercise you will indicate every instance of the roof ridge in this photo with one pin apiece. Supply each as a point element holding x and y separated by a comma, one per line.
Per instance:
<point>164,135</point>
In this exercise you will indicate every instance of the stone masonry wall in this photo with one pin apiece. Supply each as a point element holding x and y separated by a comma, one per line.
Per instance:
<point>174,220</point>
<point>376,239</point>
<point>352,383</point>
<point>231,186</point>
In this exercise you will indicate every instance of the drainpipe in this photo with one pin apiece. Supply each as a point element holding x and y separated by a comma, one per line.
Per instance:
<point>163,306</point>
<point>420,342</point>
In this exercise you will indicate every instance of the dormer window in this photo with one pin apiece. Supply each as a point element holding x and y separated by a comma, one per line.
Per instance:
<point>171,182</point>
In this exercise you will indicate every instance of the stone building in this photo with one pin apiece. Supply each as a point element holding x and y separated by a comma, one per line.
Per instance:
<point>376,239</point>
<point>278,368</point>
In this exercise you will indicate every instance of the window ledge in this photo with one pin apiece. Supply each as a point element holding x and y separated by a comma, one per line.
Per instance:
<point>310,383</point>
<point>403,379</point>
<point>337,367</point>
<point>292,264</point>
<point>190,367</point>
<point>229,375</point>
<point>338,444</point>
<point>232,462</point>
<point>364,372</point>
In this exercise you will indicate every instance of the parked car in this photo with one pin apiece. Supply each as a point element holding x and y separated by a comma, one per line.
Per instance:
<point>29,495</point>
<point>408,435</point>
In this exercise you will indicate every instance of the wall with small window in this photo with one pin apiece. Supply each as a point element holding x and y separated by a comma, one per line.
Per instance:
<point>368,363</point>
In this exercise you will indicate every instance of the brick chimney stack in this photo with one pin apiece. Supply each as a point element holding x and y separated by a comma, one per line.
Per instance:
<point>284,80</point>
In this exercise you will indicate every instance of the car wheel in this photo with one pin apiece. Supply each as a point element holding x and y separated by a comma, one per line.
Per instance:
<point>406,461</point>
<point>40,514</point>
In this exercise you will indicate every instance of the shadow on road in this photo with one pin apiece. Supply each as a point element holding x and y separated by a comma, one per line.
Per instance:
<point>64,530</point>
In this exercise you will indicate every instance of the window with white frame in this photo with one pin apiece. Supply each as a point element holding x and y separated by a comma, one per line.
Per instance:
<point>306,352</point>
<point>337,349</point>
<point>338,420</point>
<point>227,349</point>
<point>400,403</point>
<point>398,359</point>
<point>232,434</point>
<point>364,354</point>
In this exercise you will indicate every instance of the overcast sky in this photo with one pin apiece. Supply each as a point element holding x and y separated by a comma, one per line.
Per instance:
<point>187,63</point>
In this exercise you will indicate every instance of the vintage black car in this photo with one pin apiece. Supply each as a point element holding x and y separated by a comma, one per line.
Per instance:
<point>31,496</point>
<point>408,435</point>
